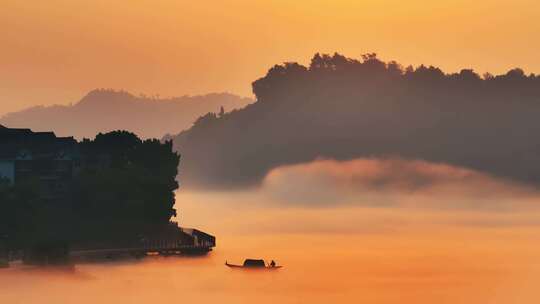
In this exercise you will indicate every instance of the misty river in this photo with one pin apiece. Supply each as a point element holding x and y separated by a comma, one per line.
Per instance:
<point>383,250</point>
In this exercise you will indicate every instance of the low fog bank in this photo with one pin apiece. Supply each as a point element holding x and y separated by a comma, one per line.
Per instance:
<point>364,196</point>
<point>394,182</point>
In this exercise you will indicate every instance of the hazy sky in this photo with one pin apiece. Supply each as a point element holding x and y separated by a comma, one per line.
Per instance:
<point>54,51</point>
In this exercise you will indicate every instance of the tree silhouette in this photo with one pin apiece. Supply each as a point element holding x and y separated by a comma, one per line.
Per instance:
<point>344,108</point>
<point>221,111</point>
<point>129,190</point>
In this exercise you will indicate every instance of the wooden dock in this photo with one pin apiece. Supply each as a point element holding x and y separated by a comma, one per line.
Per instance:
<point>189,241</point>
<point>182,241</point>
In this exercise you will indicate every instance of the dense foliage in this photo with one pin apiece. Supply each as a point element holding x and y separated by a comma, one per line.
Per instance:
<point>343,108</point>
<point>19,207</point>
<point>126,185</point>
<point>122,187</point>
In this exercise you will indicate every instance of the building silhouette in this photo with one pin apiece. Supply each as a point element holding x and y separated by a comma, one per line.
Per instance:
<point>42,157</point>
<point>63,175</point>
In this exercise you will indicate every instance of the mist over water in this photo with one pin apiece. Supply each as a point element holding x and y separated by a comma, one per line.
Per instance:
<point>368,231</point>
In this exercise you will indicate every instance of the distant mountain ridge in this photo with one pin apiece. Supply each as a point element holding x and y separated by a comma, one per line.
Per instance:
<point>105,110</point>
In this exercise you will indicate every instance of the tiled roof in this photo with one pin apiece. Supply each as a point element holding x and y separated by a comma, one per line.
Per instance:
<point>14,140</point>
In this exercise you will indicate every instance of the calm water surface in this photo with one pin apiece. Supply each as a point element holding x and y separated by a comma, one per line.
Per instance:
<point>340,254</point>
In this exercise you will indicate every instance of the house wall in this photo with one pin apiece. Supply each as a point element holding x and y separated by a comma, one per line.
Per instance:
<point>7,169</point>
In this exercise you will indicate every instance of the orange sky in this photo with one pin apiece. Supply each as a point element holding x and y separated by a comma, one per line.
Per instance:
<point>54,51</point>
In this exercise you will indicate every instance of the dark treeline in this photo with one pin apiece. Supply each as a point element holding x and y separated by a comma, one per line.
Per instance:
<point>345,108</point>
<point>126,185</point>
<point>121,188</point>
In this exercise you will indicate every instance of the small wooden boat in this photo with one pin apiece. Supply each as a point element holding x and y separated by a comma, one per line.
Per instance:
<point>254,264</point>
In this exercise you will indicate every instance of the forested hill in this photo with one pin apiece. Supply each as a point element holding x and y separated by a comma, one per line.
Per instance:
<point>345,108</point>
<point>108,110</point>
